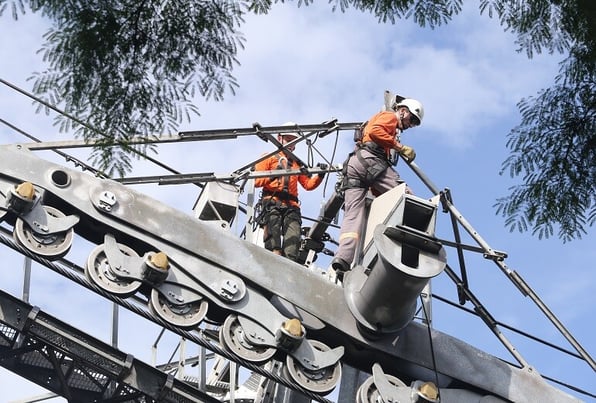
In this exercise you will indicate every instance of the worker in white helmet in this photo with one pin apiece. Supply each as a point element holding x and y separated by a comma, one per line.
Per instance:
<point>369,167</point>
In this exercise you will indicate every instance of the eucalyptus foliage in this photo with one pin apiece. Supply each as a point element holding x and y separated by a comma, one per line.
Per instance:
<point>132,68</point>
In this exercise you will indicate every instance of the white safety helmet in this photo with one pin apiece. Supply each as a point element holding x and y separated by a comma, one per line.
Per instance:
<point>413,105</point>
<point>291,134</point>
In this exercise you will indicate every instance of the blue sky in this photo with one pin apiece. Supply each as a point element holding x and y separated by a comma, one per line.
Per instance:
<point>308,65</point>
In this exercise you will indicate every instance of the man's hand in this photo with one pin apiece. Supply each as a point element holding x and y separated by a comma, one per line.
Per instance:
<point>408,152</point>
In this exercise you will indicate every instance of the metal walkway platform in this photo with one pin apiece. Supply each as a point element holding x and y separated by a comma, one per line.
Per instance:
<point>79,367</point>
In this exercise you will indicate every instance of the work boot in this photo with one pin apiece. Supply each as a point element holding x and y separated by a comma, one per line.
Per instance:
<point>340,265</point>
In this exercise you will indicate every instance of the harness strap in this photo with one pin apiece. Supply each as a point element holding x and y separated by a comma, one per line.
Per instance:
<point>373,168</point>
<point>373,148</point>
<point>280,165</point>
<point>281,195</point>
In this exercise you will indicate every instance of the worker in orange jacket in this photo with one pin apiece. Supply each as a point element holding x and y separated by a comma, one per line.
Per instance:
<point>369,167</point>
<point>281,216</point>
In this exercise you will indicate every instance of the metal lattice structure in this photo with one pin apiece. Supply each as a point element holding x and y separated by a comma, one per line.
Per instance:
<point>259,307</point>
<point>77,366</point>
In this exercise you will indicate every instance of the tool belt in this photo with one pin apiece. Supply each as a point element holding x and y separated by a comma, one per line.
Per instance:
<point>373,148</point>
<point>282,196</point>
<point>374,166</point>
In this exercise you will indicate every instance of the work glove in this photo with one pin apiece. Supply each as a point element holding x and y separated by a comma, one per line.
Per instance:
<point>408,152</point>
<point>322,165</point>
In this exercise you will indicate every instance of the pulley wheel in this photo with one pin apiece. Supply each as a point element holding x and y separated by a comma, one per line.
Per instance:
<point>186,316</point>
<point>368,392</point>
<point>320,381</point>
<point>233,338</point>
<point>51,246</point>
<point>99,272</point>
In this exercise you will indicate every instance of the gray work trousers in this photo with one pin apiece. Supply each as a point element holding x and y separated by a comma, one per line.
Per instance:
<point>355,199</point>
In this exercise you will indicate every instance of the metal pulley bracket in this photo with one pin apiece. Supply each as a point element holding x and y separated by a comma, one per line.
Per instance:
<point>178,295</point>
<point>313,359</point>
<point>255,333</point>
<point>123,204</point>
<point>387,391</point>
<point>120,263</point>
<point>43,223</point>
<point>179,288</point>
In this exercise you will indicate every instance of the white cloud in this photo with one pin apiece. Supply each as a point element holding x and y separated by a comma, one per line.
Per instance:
<point>311,64</point>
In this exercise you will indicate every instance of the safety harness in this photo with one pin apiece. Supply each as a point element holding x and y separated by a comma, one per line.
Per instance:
<point>275,199</point>
<point>281,195</point>
<point>374,166</point>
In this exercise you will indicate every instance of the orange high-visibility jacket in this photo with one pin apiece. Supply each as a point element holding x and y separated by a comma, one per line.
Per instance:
<point>278,188</point>
<point>381,130</point>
